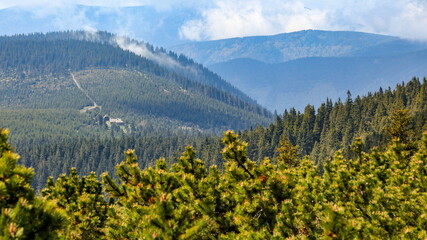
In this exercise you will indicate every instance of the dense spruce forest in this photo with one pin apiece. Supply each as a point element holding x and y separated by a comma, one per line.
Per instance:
<point>381,194</point>
<point>317,133</point>
<point>335,125</point>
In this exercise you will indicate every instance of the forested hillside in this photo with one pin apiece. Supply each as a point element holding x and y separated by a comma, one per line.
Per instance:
<point>86,84</point>
<point>59,52</point>
<point>381,194</point>
<point>334,125</point>
<point>319,133</point>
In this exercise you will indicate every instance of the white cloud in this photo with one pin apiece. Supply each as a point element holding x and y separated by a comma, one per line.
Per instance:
<point>7,4</point>
<point>59,3</point>
<point>405,18</point>
<point>236,18</point>
<point>70,15</point>
<point>215,19</point>
<point>254,17</point>
<point>160,5</point>
<point>142,50</point>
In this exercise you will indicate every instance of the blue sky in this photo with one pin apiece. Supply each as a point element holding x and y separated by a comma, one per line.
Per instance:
<point>217,19</point>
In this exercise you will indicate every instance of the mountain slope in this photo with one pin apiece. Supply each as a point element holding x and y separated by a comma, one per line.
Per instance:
<point>100,79</point>
<point>311,80</point>
<point>290,46</point>
<point>56,53</point>
<point>300,68</point>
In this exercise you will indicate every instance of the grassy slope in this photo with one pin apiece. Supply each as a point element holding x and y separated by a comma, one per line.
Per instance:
<point>50,104</point>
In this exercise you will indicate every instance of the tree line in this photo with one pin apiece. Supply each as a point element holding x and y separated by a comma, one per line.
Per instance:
<point>376,194</point>
<point>319,134</point>
<point>335,124</point>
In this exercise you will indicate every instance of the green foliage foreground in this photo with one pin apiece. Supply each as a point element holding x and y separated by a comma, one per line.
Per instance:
<point>375,195</point>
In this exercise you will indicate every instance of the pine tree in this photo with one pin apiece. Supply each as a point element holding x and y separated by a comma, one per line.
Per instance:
<point>83,201</point>
<point>288,154</point>
<point>401,126</point>
<point>23,215</point>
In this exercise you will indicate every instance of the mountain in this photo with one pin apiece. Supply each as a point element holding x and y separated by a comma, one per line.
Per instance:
<point>289,46</point>
<point>300,68</point>
<point>305,81</point>
<point>58,83</point>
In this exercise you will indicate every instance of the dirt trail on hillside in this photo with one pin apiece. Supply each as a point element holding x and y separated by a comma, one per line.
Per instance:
<point>95,105</point>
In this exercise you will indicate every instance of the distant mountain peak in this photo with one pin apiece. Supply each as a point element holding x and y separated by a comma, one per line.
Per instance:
<point>283,47</point>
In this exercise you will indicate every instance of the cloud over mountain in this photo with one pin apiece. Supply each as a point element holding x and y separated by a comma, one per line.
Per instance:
<point>217,19</point>
<point>226,18</point>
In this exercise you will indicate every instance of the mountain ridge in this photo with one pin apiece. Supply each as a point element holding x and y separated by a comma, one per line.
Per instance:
<point>287,46</point>
<point>305,81</point>
<point>38,74</point>
<point>307,67</point>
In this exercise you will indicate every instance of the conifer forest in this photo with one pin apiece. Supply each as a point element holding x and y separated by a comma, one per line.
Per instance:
<point>98,142</point>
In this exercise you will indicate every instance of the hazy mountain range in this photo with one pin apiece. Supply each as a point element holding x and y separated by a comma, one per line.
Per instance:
<point>300,68</point>
<point>269,69</point>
